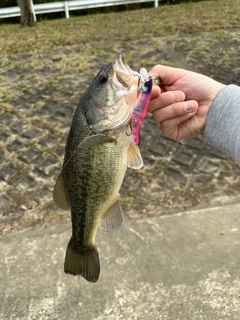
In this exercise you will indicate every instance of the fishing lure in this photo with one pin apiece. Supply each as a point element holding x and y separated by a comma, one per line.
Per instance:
<point>141,109</point>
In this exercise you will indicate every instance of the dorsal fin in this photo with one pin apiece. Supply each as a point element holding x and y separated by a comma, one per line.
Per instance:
<point>59,194</point>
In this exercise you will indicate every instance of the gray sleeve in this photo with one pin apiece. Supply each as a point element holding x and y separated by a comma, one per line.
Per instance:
<point>222,129</point>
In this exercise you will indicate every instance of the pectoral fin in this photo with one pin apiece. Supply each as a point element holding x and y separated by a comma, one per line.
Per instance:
<point>59,194</point>
<point>92,141</point>
<point>134,157</point>
<point>113,220</point>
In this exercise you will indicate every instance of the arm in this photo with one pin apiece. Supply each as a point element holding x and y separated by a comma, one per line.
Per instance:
<point>222,129</point>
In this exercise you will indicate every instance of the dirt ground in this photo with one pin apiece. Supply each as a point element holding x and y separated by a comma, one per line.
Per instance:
<point>38,94</point>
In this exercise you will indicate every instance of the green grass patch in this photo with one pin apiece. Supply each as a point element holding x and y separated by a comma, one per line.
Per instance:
<point>45,149</point>
<point>5,95</point>
<point>221,34</point>
<point>5,99</point>
<point>126,201</point>
<point>185,18</point>
<point>149,174</point>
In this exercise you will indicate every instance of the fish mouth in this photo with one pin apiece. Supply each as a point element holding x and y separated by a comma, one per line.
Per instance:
<point>125,84</point>
<point>123,74</point>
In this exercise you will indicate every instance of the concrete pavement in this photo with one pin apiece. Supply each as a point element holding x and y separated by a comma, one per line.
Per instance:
<point>183,266</point>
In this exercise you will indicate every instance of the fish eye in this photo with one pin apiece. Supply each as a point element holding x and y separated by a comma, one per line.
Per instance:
<point>146,84</point>
<point>103,78</point>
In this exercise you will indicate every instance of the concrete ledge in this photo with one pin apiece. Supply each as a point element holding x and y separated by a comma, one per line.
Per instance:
<point>183,266</point>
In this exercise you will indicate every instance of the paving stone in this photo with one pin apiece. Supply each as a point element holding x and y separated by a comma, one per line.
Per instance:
<point>149,160</point>
<point>8,119</point>
<point>61,149</point>
<point>37,114</point>
<point>5,201</point>
<point>31,155</point>
<point>54,121</point>
<point>27,97</point>
<point>208,165</point>
<point>32,133</point>
<point>129,177</point>
<point>19,126</point>
<point>184,157</point>
<point>50,107</point>
<point>64,112</point>
<point>8,171</point>
<point>160,148</point>
<point>43,195</point>
<point>65,127</point>
<point>4,136</point>
<point>197,143</point>
<point>47,166</point>
<point>215,153</point>
<point>26,182</point>
<point>200,183</point>
<point>21,106</point>
<point>49,140</point>
<point>15,145</point>
<point>174,173</point>
<point>2,158</point>
<point>44,92</point>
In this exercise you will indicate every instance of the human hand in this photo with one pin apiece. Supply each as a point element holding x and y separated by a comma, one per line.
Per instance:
<point>182,102</point>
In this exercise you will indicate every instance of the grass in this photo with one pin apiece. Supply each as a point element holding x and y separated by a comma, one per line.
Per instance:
<point>220,34</point>
<point>116,26</point>
<point>126,201</point>
<point>5,95</point>
<point>45,149</point>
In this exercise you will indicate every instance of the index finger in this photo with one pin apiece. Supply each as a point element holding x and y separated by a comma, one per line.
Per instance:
<point>168,75</point>
<point>156,91</point>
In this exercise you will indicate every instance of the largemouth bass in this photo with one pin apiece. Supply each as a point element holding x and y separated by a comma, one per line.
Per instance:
<point>98,150</point>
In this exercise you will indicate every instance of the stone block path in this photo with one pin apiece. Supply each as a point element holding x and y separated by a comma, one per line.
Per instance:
<point>38,94</point>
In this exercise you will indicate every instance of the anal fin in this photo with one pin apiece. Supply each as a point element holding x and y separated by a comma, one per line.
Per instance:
<point>113,219</point>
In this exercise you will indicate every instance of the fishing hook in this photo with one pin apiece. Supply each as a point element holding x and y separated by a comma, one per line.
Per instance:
<point>129,134</point>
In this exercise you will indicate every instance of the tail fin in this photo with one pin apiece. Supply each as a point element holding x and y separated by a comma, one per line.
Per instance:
<point>85,263</point>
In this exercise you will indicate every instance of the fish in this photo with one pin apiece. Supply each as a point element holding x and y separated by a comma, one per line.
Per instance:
<point>140,110</point>
<point>98,150</point>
